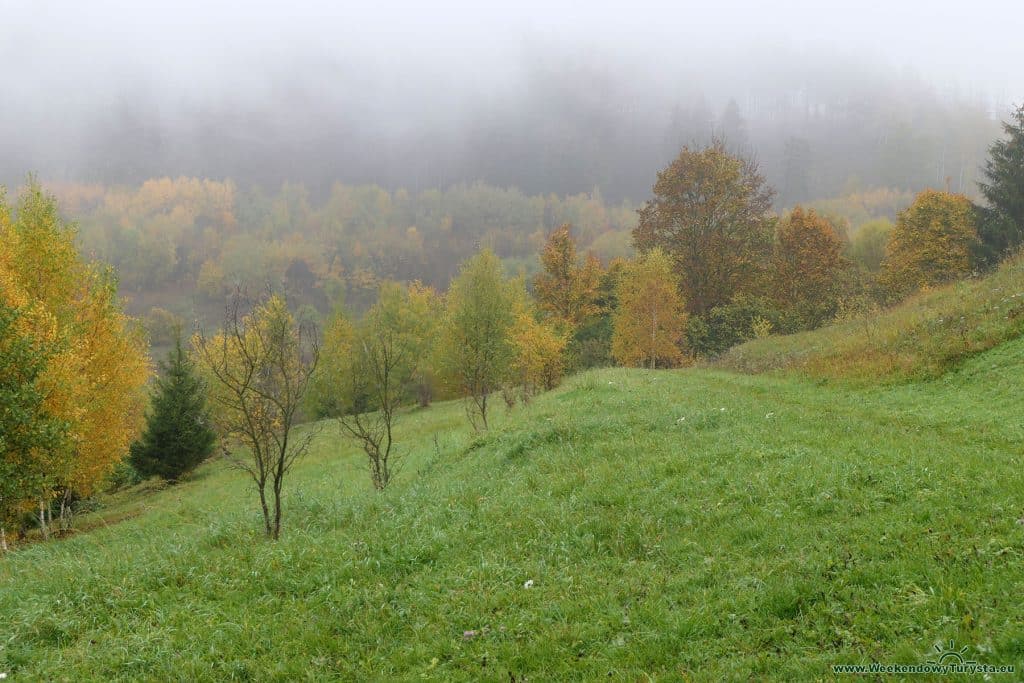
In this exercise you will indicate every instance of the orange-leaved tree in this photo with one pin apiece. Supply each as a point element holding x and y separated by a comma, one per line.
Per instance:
<point>807,267</point>
<point>650,320</point>
<point>710,214</point>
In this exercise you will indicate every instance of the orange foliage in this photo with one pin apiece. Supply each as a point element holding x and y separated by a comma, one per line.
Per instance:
<point>807,265</point>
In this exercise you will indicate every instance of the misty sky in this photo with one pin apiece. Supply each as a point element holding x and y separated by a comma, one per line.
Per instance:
<point>67,51</point>
<point>71,67</point>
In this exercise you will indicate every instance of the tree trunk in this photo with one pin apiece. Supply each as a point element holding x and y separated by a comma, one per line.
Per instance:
<point>3,540</point>
<point>654,333</point>
<point>43,528</point>
<point>266,511</point>
<point>277,513</point>
<point>65,511</point>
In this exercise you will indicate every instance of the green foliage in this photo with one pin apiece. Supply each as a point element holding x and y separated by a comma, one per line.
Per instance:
<point>27,429</point>
<point>1003,226</point>
<point>734,323</point>
<point>475,348</point>
<point>163,326</point>
<point>858,209</point>
<point>380,364</point>
<point>867,246</point>
<point>190,236</point>
<point>178,436</point>
<point>591,345</point>
<point>123,476</point>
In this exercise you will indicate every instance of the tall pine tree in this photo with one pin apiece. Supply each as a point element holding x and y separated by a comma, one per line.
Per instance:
<point>178,436</point>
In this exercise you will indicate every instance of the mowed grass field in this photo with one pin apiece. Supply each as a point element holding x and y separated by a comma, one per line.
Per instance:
<point>631,525</point>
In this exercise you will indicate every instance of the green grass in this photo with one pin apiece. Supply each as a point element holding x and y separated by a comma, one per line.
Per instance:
<point>921,338</point>
<point>674,524</point>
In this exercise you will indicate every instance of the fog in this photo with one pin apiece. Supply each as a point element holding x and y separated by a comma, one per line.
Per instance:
<point>547,97</point>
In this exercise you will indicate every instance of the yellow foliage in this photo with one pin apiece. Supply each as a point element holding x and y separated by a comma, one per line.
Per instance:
<point>96,379</point>
<point>539,353</point>
<point>932,243</point>
<point>565,290</point>
<point>651,318</point>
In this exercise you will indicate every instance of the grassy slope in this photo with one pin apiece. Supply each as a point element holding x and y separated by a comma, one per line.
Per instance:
<point>921,338</point>
<point>698,522</point>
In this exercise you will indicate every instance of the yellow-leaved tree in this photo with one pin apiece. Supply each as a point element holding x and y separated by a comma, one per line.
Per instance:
<point>539,350</point>
<point>650,320</point>
<point>566,291</point>
<point>474,343</point>
<point>933,243</point>
<point>387,366</point>
<point>95,371</point>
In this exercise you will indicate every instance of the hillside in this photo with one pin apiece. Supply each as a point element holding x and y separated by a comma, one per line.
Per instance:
<point>921,338</point>
<point>696,523</point>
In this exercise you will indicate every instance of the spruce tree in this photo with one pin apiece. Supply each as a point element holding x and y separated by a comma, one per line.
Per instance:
<point>1002,225</point>
<point>178,436</point>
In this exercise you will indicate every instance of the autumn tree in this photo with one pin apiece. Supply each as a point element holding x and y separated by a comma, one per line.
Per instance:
<point>422,312</point>
<point>259,366</point>
<point>384,355</point>
<point>178,435</point>
<point>807,266</point>
<point>932,243</point>
<point>94,379</point>
<point>27,430</point>
<point>709,214</point>
<point>565,290</point>
<point>475,349</point>
<point>1003,226</point>
<point>591,344</point>
<point>539,351</point>
<point>651,317</point>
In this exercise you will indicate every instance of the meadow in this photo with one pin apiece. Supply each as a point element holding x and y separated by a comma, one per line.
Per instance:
<point>697,524</point>
<point>921,338</point>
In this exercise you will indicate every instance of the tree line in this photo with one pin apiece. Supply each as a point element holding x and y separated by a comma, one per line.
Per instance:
<point>181,245</point>
<point>714,266</point>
